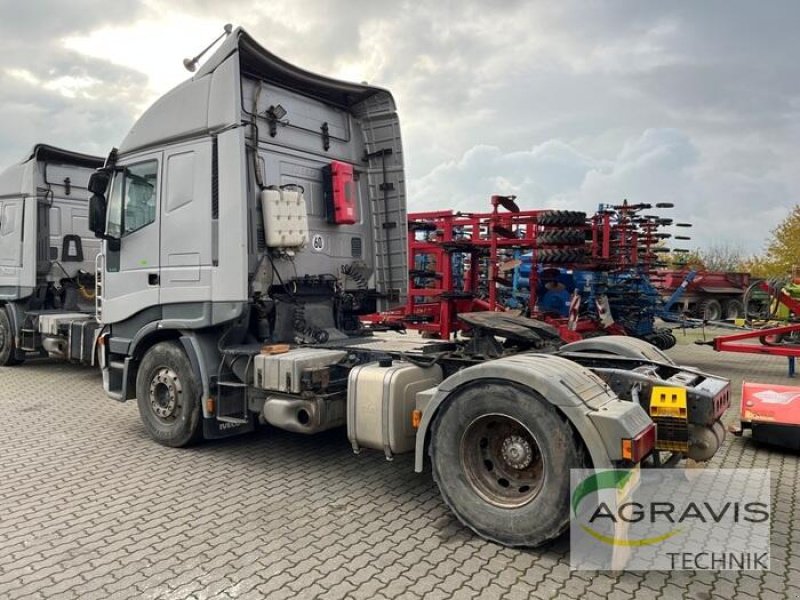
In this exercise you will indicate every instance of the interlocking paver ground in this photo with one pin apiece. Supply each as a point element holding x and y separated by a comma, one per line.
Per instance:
<point>90,507</point>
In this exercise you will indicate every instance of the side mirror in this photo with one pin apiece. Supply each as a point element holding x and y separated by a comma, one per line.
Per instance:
<point>98,182</point>
<point>97,214</point>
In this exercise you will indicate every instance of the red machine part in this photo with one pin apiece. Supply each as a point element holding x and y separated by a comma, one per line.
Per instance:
<point>737,342</point>
<point>707,280</point>
<point>772,413</point>
<point>770,340</point>
<point>433,301</point>
<point>613,239</point>
<point>340,193</point>
<point>781,296</point>
<point>770,403</point>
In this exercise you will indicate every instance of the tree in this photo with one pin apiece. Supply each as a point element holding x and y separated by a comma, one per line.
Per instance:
<point>717,257</point>
<point>686,260</point>
<point>722,257</point>
<point>783,249</point>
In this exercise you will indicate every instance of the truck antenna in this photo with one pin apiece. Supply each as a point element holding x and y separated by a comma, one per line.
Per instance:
<point>191,63</point>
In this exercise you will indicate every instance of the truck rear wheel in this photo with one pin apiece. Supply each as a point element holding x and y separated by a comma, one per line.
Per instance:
<point>501,457</point>
<point>710,310</point>
<point>733,309</point>
<point>168,396</point>
<point>8,351</point>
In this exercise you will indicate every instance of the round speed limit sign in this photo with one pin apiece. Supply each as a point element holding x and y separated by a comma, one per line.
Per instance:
<point>318,243</point>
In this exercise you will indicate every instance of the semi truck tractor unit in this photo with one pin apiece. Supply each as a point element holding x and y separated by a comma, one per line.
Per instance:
<point>248,219</point>
<point>47,257</point>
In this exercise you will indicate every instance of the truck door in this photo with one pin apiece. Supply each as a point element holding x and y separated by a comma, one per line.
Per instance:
<point>186,237</point>
<point>11,211</point>
<point>132,277</point>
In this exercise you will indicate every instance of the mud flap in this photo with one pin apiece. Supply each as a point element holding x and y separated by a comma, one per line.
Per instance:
<point>215,430</point>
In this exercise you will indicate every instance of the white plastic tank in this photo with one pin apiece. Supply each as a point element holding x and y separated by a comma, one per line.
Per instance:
<point>285,218</point>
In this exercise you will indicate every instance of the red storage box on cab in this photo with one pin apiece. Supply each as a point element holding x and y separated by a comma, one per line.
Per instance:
<point>340,193</point>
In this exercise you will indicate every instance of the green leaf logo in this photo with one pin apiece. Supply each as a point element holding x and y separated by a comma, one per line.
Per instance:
<point>616,479</point>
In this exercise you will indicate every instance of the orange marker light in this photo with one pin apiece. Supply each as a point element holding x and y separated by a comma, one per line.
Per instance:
<point>627,449</point>
<point>211,405</point>
<point>640,446</point>
<point>416,418</point>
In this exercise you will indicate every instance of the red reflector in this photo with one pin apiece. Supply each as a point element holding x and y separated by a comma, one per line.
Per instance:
<point>640,446</point>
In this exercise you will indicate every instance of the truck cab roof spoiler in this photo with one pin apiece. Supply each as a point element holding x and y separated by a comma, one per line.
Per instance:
<point>18,179</point>
<point>47,153</point>
<point>256,60</point>
<point>211,99</point>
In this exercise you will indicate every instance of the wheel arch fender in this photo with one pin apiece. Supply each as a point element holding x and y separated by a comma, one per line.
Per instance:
<point>619,345</point>
<point>194,344</point>
<point>572,389</point>
<point>14,316</point>
<point>147,337</point>
<point>197,358</point>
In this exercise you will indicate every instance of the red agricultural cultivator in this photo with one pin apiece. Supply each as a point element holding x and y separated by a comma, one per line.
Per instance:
<point>583,276</point>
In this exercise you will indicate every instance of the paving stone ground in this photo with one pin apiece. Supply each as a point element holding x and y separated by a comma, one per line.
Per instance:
<point>90,507</point>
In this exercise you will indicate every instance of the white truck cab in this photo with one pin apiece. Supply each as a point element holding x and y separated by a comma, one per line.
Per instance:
<point>47,257</point>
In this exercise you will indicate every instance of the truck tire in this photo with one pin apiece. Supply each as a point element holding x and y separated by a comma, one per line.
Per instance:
<point>710,310</point>
<point>168,396</point>
<point>564,218</point>
<point>501,458</point>
<point>562,255</point>
<point>733,309</point>
<point>8,350</point>
<point>562,237</point>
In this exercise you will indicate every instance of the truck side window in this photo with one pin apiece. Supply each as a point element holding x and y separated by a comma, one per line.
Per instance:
<point>139,196</point>
<point>114,224</point>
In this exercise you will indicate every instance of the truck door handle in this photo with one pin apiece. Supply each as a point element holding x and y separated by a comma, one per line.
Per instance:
<point>152,279</point>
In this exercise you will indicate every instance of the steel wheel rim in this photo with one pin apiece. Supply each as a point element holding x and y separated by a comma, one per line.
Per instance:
<point>502,460</point>
<point>165,395</point>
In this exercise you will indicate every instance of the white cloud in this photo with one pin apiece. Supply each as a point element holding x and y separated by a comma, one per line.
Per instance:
<point>540,176</point>
<point>659,165</point>
<point>154,46</point>
<point>566,103</point>
<point>23,75</point>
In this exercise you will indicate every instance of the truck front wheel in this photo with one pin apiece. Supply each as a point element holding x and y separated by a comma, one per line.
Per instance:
<point>501,457</point>
<point>168,396</point>
<point>8,352</point>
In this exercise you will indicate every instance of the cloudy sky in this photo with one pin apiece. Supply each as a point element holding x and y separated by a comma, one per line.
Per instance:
<point>566,104</point>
